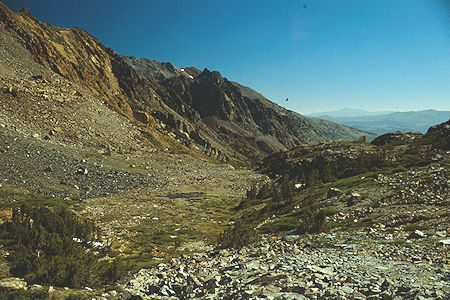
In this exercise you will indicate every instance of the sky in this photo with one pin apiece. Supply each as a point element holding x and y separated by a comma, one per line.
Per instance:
<point>322,55</point>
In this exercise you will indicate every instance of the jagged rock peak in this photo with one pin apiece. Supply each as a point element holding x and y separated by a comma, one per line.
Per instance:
<point>213,75</point>
<point>25,12</point>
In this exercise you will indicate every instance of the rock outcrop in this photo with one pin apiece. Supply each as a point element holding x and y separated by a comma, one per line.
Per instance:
<point>326,162</point>
<point>396,136</point>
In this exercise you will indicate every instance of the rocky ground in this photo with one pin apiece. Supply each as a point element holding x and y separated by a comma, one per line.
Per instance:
<point>388,240</point>
<point>121,191</point>
<point>356,265</point>
<point>60,171</point>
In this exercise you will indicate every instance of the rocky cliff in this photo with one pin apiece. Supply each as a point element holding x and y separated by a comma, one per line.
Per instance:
<point>238,115</point>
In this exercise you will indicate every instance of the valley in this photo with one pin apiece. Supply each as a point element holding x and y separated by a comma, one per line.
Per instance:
<point>128,178</point>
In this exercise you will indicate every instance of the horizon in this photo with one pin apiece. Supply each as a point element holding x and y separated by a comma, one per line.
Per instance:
<point>377,111</point>
<point>323,56</point>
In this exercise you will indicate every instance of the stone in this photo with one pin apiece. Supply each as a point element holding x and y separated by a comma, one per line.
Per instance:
<point>355,194</point>
<point>357,295</point>
<point>386,284</point>
<point>13,283</point>
<point>441,233</point>
<point>82,171</point>
<point>291,237</point>
<point>375,290</point>
<point>333,192</point>
<point>75,93</point>
<point>326,271</point>
<point>346,290</point>
<point>142,117</point>
<point>36,287</point>
<point>445,242</point>
<point>440,294</point>
<point>417,234</point>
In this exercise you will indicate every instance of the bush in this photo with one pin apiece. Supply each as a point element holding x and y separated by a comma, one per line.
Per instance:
<point>278,194</point>
<point>237,235</point>
<point>273,198</point>
<point>44,251</point>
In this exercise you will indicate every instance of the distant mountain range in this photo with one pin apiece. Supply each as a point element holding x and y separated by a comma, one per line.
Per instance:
<point>383,122</point>
<point>348,112</point>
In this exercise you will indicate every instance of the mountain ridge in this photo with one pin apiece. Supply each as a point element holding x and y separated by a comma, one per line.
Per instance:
<point>189,109</point>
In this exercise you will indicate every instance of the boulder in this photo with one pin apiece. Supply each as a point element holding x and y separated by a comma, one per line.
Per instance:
<point>13,283</point>
<point>417,234</point>
<point>142,117</point>
<point>333,192</point>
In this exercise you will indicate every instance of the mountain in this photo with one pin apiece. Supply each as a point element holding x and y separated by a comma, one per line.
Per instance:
<point>180,109</point>
<point>410,121</point>
<point>233,111</point>
<point>347,112</point>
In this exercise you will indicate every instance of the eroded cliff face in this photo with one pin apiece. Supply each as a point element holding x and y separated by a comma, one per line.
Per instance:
<point>72,53</point>
<point>81,59</point>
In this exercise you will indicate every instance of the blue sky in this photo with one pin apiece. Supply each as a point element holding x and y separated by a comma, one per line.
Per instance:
<point>322,55</point>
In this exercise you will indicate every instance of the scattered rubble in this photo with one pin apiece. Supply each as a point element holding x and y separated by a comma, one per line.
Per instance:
<point>293,269</point>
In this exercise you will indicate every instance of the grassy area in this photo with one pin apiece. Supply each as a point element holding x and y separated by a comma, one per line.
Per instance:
<point>11,197</point>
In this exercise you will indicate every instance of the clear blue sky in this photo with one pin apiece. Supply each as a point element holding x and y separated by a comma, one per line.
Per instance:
<point>322,55</point>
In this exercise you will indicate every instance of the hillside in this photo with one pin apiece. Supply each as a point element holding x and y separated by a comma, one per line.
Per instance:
<point>182,110</point>
<point>411,121</point>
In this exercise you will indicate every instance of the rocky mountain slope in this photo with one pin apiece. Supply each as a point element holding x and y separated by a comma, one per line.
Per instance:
<point>231,109</point>
<point>200,110</point>
<point>325,162</point>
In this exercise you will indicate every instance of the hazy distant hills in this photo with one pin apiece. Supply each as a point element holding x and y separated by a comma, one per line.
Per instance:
<point>348,112</point>
<point>382,122</point>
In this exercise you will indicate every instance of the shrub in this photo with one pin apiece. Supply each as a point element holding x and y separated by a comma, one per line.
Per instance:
<point>44,251</point>
<point>237,235</point>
